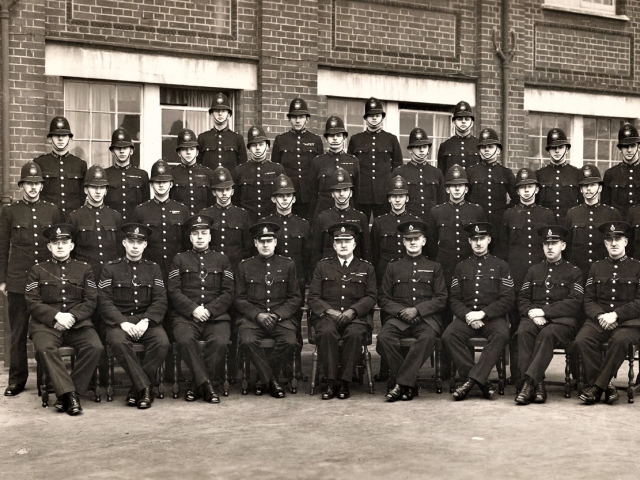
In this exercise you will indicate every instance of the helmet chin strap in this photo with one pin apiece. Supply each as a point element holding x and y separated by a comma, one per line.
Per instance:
<point>374,128</point>
<point>419,159</point>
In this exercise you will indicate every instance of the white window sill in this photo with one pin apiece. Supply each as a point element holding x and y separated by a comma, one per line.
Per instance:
<point>582,11</point>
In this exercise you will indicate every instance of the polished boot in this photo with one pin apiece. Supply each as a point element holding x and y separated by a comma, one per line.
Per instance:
<point>13,389</point>
<point>258,388</point>
<point>145,398</point>
<point>591,394</point>
<point>526,394</point>
<point>343,392</point>
<point>488,390</point>
<point>62,403</point>
<point>74,407</point>
<point>394,394</point>
<point>407,394</point>
<point>331,391</point>
<point>209,393</point>
<point>463,390</point>
<point>276,389</point>
<point>540,393</point>
<point>132,397</point>
<point>611,394</point>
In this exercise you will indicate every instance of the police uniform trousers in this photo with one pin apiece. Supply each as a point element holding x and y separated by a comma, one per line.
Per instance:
<point>458,333</point>
<point>328,334</point>
<point>250,335</point>
<point>19,323</point>
<point>86,342</point>
<point>599,372</point>
<point>405,369</point>
<point>215,335</point>
<point>155,341</point>
<point>373,208</point>
<point>536,344</point>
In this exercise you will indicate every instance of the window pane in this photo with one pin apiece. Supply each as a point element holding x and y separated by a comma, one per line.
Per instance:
<point>129,98</point>
<point>100,154</point>
<point>589,128</point>
<point>198,121</point>
<point>548,122</point>
<point>534,147</point>
<point>103,126</point>
<point>603,127</point>
<point>103,98</point>
<point>564,123</point>
<point>603,149</point>
<point>172,121</point>
<point>76,96</point>
<point>80,149</point>
<point>407,122</point>
<point>336,107</point>
<point>80,124</point>
<point>425,121</point>
<point>131,123</point>
<point>533,124</point>
<point>589,149</point>
<point>169,145</point>
<point>355,109</point>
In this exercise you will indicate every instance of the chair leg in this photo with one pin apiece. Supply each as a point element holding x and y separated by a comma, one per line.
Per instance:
<point>44,382</point>
<point>97,391</point>
<point>567,376</point>
<point>225,384</point>
<point>176,386</point>
<point>109,378</point>
<point>294,380</point>
<point>502,373</point>
<point>367,364</point>
<point>581,373</point>
<point>438,355</point>
<point>632,353</point>
<point>245,382</point>
<point>161,370</point>
<point>39,375</point>
<point>314,370</point>
<point>452,380</point>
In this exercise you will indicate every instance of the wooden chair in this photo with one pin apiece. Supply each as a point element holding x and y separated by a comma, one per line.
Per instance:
<point>475,344</point>
<point>436,360</point>
<point>43,376</point>
<point>246,366</point>
<point>201,344</point>
<point>364,365</point>
<point>140,349</point>
<point>631,354</point>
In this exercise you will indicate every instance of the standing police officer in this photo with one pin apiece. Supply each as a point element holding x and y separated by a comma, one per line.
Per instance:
<point>295,150</point>
<point>129,184</point>
<point>22,245</point>
<point>425,183</point>
<point>379,153</point>
<point>221,147</point>
<point>61,296</point>
<point>462,148</point>
<point>622,182</point>
<point>63,172</point>
<point>559,188</point>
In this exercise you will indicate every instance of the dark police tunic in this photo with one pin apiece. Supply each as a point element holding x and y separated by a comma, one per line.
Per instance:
<point>166,221</point>
<point>559,189</point>
<point>221,148</point>
<point>521,245</point>
<point>254,184</point>
<point>294,241</point>
<point>426,187</point>
<point>448,243</point>
<point>585,243</point>
<point>192,186</point>
<point>621,187</point>
<point>386,241</point>
<point>457,150</point>
<point>378,154</point>
<point>321,177</point>
<point>230,233</point>
<point>63,180</point>
<point>98,238</point>
<point>634,220</point>
<point>69,287</point>
<point>129,187</point>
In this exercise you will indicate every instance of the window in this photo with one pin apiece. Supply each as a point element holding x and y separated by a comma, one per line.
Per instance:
<point>604,6</point>
<point>538,126</point>
<point>95,110</point>
<point>185,108</point>
<point>351,111</point>
<point>601,141</point>
<point>437,124</point>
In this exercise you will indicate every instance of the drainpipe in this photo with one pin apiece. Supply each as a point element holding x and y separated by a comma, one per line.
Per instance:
<point>505,54</point>
<point>5,7</point>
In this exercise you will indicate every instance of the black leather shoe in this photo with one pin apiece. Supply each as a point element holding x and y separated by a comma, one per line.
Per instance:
<point>62,403</point>
<point>258,389</point>
<point>74,407</point>
<point>209,393</point>
<point>488,390</point>
<point>407,394</point>
<point>611,394</point>
<point>145,398</point>
<point>540,393</point>
<point>132,397</point>
<point>330,392</point>
<point>591,395</point>
<point>190,396</point>
<point>394,394</point>
<point>343,392</point>
<point>526,394</point>
<point>13,389</point>
<point>463,390</point>
<point>276,389</point>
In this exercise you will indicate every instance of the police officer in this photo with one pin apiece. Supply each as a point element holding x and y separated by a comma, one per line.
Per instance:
<point>129,184</point>
<point>267,298</point>
<point>448,243</point>
<point>230,233</point>
<point>622,182</point>
<point>491,185</point>
<point>324,166</point>
<point>61,296</point>
<point>132,302</point>
<point>201,291</point>
<point>425,183</point>
<point>481,296</point>
<point>414,296</point>
<point>611,299</point>
<point>585,243</point>
<point>462,148</point>
<point>98,238</point>
<point>549,304</point>
<point>255,178</point>
<point>191,181</point>
<point>342,296</point>
<point>379,153</point>
<point>559,187</point>
<point>221,147</point>
<point>63,172</point>
<point>22,245</point>
<point>341,191</point>
<point>295,150</point>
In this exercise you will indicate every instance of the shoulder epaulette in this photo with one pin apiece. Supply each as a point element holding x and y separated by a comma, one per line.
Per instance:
<point>144,203</point>
<point>40,156</point>
<point>327,258</point>
<point>149,262</point>
<point>49,203</point>
<point>366,261</point>
<point>113,262</point>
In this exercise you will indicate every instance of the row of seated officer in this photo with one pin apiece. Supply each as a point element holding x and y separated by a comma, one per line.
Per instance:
<point>131,298</point>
